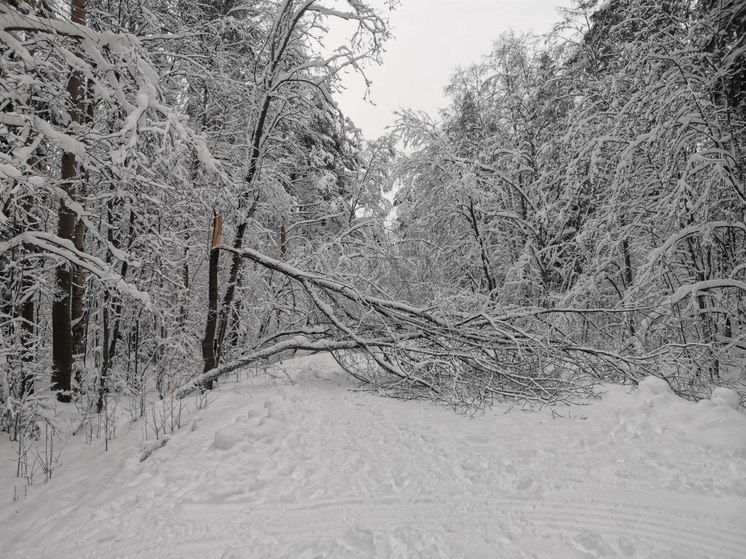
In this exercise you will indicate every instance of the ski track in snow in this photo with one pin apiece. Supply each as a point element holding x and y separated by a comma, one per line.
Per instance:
<point>314,470</point>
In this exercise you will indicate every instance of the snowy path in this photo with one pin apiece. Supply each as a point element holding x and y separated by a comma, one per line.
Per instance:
<point>314,470</point>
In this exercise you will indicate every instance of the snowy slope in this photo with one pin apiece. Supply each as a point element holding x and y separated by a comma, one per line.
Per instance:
<point>313,469</point>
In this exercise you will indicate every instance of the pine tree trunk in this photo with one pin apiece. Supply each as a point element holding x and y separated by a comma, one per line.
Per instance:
<point>85,113</point>
<point>62,334</point>
<point>62,340</point>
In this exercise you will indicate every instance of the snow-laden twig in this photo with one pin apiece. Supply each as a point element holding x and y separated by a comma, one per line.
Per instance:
<point>50,244</point>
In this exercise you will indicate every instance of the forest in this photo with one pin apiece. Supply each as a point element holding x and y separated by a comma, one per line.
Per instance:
<point>181,197</point>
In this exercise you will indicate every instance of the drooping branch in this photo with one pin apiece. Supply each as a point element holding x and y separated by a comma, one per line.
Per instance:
<point>49,244</point>
<point>444,355</point>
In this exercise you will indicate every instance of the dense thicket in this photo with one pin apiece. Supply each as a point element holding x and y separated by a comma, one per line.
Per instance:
<point>606,175</point>
<point>125,127</point>
<point>179,194</point>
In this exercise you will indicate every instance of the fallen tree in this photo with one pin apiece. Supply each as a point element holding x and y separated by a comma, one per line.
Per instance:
<point>458,358</point>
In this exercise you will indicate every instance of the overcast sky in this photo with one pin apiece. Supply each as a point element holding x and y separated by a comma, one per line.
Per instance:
<point>432,37</point>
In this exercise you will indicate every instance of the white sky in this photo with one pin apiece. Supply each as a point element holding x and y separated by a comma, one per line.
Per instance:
<point>431,38</point>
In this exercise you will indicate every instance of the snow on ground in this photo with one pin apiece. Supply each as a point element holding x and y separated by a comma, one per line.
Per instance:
<point>313,469</point>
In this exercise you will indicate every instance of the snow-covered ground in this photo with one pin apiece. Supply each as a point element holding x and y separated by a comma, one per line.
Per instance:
<point>314,469</point>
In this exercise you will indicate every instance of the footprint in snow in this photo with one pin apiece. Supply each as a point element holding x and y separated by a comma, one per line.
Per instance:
<point>525,483</point>
<point>252,427</point>
<point>592,545</point>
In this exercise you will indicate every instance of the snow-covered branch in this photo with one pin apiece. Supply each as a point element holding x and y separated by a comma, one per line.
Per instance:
<point>52,245</point>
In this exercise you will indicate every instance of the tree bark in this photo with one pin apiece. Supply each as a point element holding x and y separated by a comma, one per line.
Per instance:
<point>77,308</point>
<point>208,342</point>
<point>628,279</point>
<point>62,334</point>
<point>28,310</point>
<point>111,333</point>
<point>474,222</point>
<point>230,292</point>
<point>62,340</point>
<point>85,110</point>
<point>283,240</point>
